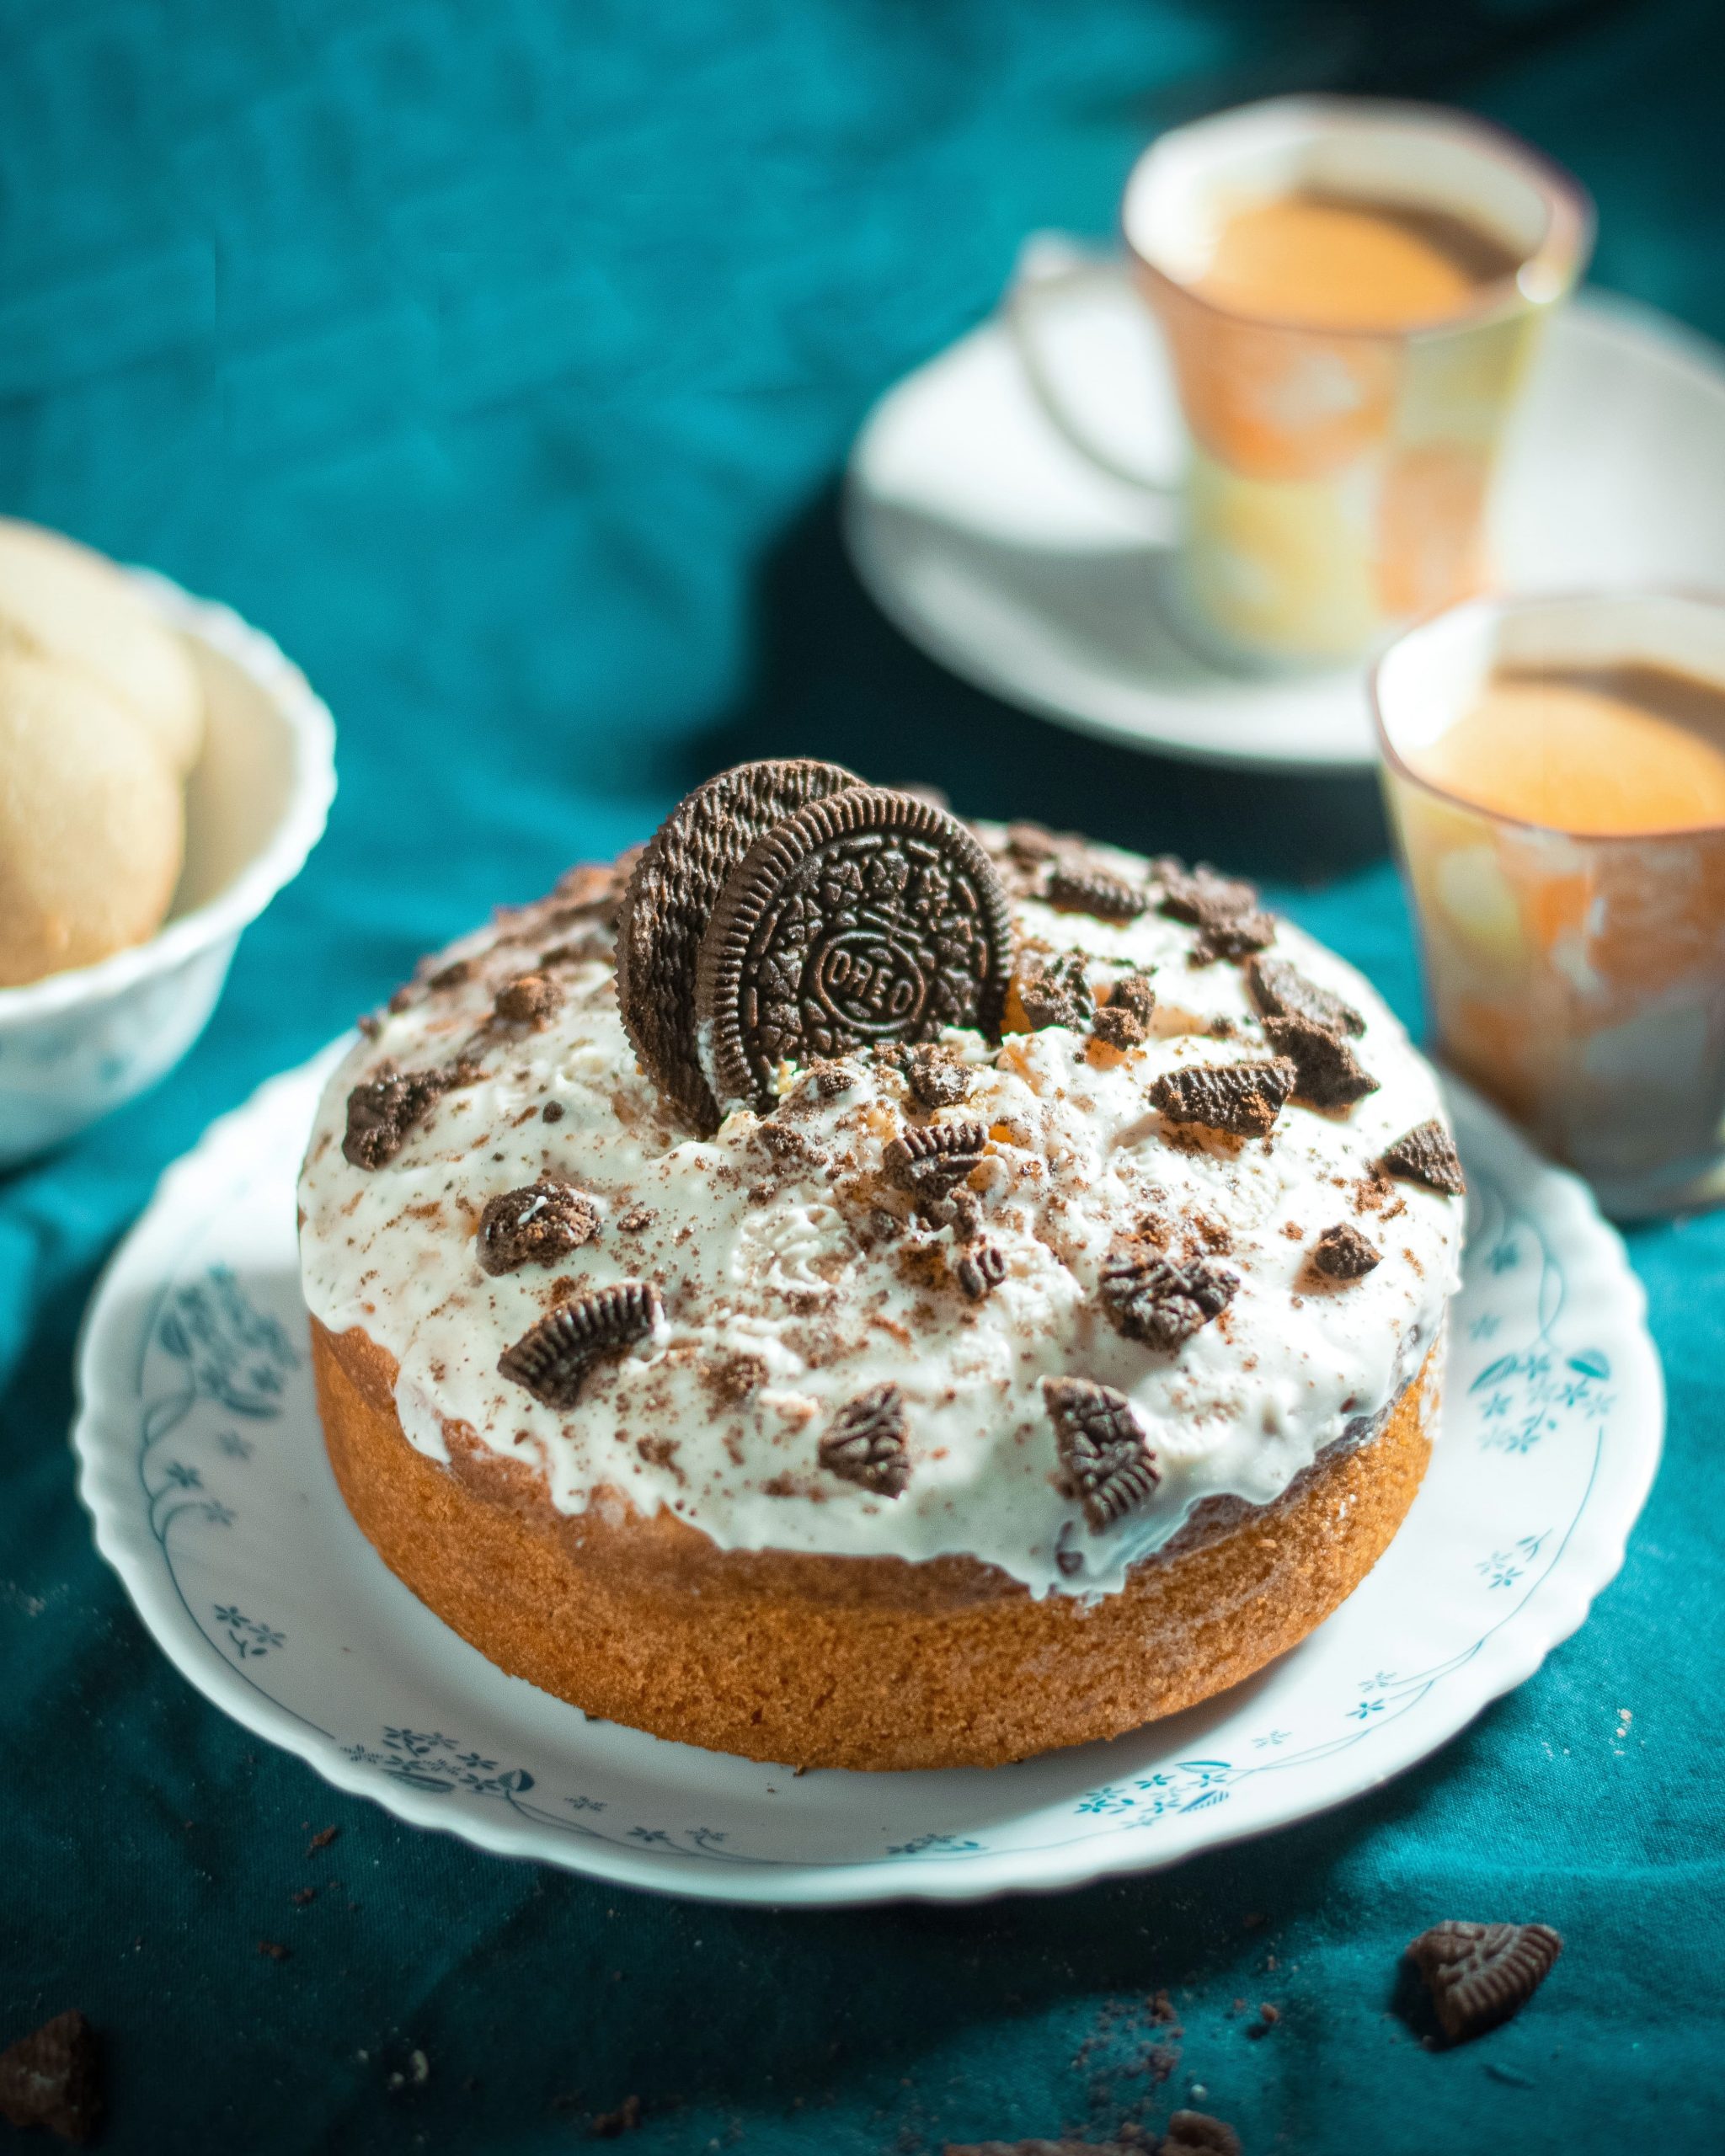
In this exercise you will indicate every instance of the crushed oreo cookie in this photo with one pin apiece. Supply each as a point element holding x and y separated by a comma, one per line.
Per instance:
<point>1330,1073</point>
<point>1051,989</point>
<point>980,1270</point>
<point>1479,1974</point>
<point>831,1076</point>
<point>1151,1299</point>
<point>1032,843</point>
<point>1110,1467</point>
<point>535,1226</point>
<point>1123,1021</point>
<point>670,900</point>
<point>1196,2134</point>
<point>1343,1253</point>
<point>936,1076</point>
<point>382,1109</point>
<point>867,917</point>
<point>865,1443</point>
<point>1077,887</point>
<point>1224,909</point>
<point>552,1358</point>
<point>1426,1154</point>
<point>52,2078</point>
<point>929,1161</point>
<point>1281,990</point>
<point>528,999</point>
<point>1241,1098</point>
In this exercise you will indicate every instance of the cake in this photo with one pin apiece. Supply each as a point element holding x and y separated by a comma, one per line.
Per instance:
<point>854,1288</point>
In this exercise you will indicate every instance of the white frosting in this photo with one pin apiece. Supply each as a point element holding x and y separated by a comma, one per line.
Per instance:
<point>788,1292</point>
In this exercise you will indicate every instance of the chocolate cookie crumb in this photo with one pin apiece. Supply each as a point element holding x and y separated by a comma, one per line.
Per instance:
<point>1123,1021</point>
<point>1426,1154</point>
<point>1343,1253</point>
<point>535,1226</point>
<point>1236,938</point>
<point>1076,888</point>
<point>455,975</point>
<point>1330,1073</point>
<point>528,999</point>
<point>322,1840</point>
<point>637,1218</point>
<point>1224,909</point>
<point>832,1075</point>
<point>1152,1299</point>
<point>1031,842</point>
<point>1196,2134</point>
<point>1053,991</point>
<point>383,1108</point>
<point>929,1161</point>
<point>980,1270</point>
<point>608,2124</point>
<point>1481,1974</point>
<point>865,1443</point>
<point>936,1077</point>
<point>1281,990</point>
<point>1241,1098</point>
<point>1110,1467</point>
<point>551,1111</point>
<point>52,2078</point>
<point>273,1950</point>
<point>552,1358</point>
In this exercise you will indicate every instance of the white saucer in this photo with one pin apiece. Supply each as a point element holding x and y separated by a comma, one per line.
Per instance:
<point>989,541</point>
<point>203,1466</point>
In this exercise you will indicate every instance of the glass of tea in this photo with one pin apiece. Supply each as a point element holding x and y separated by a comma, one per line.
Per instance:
<point>1555,772</point>
<point>1349,292</point>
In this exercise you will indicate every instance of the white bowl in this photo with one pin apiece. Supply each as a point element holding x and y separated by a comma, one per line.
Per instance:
<point>76,1044</point>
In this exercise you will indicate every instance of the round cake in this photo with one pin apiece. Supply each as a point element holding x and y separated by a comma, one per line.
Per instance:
<point>854,1288</point>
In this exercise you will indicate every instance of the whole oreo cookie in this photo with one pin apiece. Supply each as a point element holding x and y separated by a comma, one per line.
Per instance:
<point>869,917</point>
<point>670,900</point>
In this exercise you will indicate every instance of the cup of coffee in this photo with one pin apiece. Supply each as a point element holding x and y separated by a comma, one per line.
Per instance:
<point>1349,292</point>
<point>1555,773</point>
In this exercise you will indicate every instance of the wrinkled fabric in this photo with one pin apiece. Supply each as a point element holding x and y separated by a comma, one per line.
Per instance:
<point>498,359</point>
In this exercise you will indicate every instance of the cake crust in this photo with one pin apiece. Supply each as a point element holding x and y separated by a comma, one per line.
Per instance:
<point>809,1660</point>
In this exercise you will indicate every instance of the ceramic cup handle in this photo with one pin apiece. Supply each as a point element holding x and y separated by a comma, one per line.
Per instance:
<point>1053,271</point>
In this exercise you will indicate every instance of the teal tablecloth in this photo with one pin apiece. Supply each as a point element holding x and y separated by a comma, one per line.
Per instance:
<point>499,358</point>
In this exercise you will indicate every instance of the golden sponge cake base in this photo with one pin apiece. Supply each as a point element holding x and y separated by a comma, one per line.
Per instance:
<point>812,1661</point>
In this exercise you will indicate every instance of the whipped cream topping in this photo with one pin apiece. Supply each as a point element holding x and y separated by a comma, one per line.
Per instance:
<point>795,1276</point>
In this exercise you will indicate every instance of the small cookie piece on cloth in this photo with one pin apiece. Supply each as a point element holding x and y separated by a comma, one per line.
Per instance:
<point>1196,2134</point>
<point>92,822</point>
<point>670,901</point>
<point>52,2078</point>
<point>1479,1974</point>
<point>868,917</point>
<point>74,610</point>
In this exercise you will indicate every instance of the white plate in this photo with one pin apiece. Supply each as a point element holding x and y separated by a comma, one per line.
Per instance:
<point>203,1464</point>
<point>989,541</point>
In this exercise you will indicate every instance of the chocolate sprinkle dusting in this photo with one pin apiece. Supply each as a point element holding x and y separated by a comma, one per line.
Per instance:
<point>1053,991</point>
<point>865,1443</point>
<point>1343,1253</point>
<point>1110,1467</point>
<point>980,1270</point>
<point>1330,1075</point>
<point>1074,888</point>
<point>1479,1974</point>
<point>1243,1098</point>
<point>1153,1299</point>
<point>382,1109</point>
<point>52,2078</point>
<point>552,1358</point>
<point>1281,990</point>
<point>1426,1154</point>
<point>930,1160</point>
<point>535,1226</point>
